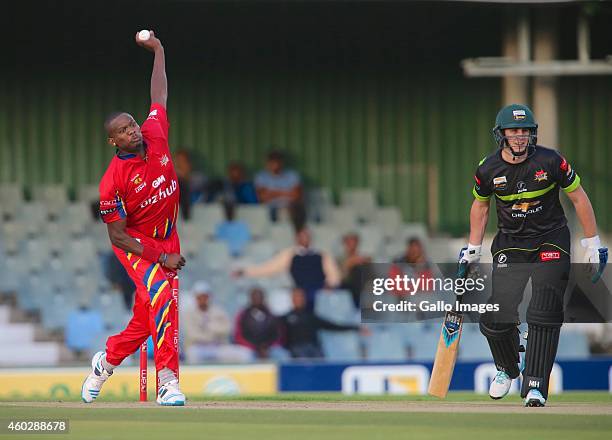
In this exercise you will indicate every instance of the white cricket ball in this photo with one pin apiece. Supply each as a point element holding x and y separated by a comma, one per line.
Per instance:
<point>144,35</point>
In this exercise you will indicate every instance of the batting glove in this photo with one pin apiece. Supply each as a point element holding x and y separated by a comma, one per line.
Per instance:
<point>596,255</point>
<point>470,254</point>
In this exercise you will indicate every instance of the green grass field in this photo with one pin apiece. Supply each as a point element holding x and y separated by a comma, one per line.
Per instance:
<point>327,416</point>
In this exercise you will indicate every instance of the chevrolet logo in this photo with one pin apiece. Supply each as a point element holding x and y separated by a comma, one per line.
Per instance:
<point>524,206</point>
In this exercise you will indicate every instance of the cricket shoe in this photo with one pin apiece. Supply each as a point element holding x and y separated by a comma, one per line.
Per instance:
<point>534,398</point>
<point>170,394</point>
<point>93,384</point>
<point>500,385</point>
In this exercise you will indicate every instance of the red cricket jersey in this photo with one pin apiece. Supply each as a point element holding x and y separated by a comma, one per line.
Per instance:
<point>144,192</point>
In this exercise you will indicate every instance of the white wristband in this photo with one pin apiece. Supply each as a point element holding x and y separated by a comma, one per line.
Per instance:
<point>592,242</point>
<point>475,248</point>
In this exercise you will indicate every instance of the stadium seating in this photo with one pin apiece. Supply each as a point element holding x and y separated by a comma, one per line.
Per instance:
<point>54,197</point>
<point>282,234</point>
<point>340,346</point>
<point>88,194</point>
<point>208,217</point>
<point>19,346</point>
<point>371,239</point>
<point>34,216</point>
<point>424,342</point>
<point>362,201</point>
<point>325,237</point>
<point>573,345</point>
<point>385,343</point>
<point>13,233</point>
<point>473,346</point>
<point>336,306</point>
<point>389,219</point>
<point>76,218</point>
<point>257,217</point>
<point>319,202</point>
<point>52,259</point>
<point>11,198</point>
<point>343,219</point>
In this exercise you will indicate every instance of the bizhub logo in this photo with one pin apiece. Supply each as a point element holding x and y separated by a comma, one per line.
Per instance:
<point>158,181</point>
<point>162,194</point>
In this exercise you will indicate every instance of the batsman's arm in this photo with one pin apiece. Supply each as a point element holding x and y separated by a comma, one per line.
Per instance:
<point>479,216</point>
<point>584,211</point>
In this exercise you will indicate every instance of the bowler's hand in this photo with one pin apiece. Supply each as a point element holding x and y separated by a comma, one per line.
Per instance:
<point>151,44</point>
<point>174,261</point>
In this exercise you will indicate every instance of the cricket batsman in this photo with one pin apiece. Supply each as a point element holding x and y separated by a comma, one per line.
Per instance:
<point>139,199</point>
<point>533,241</point>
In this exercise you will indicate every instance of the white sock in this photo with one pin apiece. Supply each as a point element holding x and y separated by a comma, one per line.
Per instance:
<point>108,366</point>
<point>165,375</point>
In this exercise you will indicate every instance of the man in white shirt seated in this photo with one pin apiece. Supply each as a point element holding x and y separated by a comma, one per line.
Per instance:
<point>207,329</point>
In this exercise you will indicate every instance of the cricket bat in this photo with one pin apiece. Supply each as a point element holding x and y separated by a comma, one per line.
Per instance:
<point>448,347</point>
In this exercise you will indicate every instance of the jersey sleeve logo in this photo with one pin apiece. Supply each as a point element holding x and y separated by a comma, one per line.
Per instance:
<point>566,167</point>
<point>108,207</point>
<point>153,114</point>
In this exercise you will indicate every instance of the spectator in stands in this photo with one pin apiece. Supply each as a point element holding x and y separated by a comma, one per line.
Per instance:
<point>119,278</point>
<point>310,269</point>
<point>83,327</point>
<point>192,183</point>
<point>237,188</point>
<point>256,327</point>
<point>207,331</point>
<point>414,253</point>
<point>276,186</point>
<point>235,233</point>
<point>415,257</point>
<point>354,266</point>
<point>300,327</point>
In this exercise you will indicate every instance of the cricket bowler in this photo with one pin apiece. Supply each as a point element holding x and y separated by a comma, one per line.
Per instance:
<point>139,199</point>
<point>533,241</point>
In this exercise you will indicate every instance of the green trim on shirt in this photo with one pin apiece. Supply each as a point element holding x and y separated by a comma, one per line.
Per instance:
<point>573,186</point>
<point>478,196</point>
<point>527,194</point>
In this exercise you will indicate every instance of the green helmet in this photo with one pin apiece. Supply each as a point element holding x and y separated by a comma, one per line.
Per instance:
<point>515,116</point>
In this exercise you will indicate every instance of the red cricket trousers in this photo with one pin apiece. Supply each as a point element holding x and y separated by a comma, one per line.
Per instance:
<point>154,308</point>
